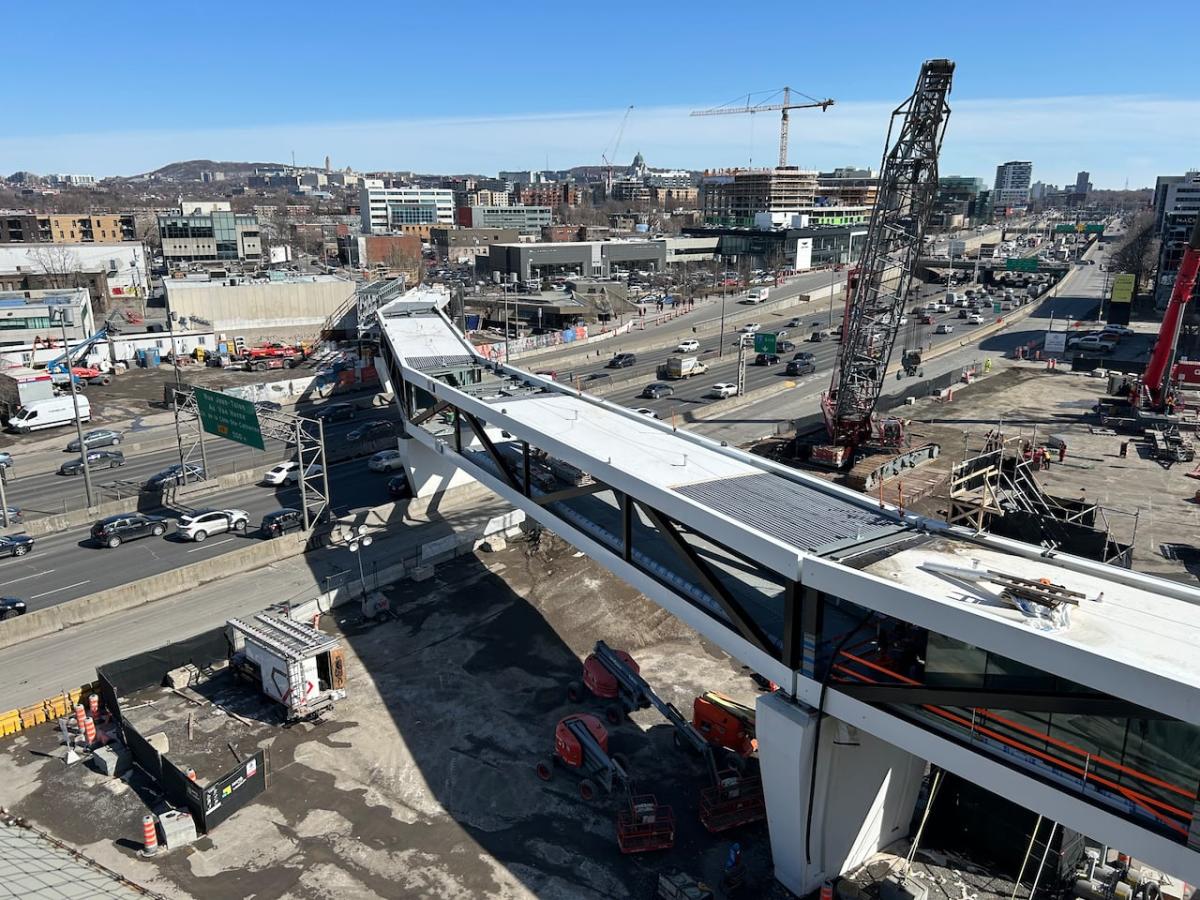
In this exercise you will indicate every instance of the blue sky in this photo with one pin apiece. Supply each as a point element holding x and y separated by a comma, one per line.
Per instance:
<point>124,87</point>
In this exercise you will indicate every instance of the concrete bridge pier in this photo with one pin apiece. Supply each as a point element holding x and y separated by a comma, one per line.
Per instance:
<point>862,796</point>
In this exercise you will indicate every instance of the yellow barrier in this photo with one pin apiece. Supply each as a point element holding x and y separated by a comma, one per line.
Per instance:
<point>49,710</point>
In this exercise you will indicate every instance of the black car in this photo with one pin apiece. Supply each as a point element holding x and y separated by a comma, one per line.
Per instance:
<point>11,607</point>
<point>174,475</point>
<point>657,390</point>
<point>116,530</point>
<point>335,412</point>
<point>267,406</point>
<point>804,356</point>
<point>97,459</point>
<point>801,367</point>
<point>766,359</point>
<point>369,431</point>
<point>398,487</point>
<point>15,544</point>
<point>622,361</point>
<point>281,520</point>
<point>784,346</point>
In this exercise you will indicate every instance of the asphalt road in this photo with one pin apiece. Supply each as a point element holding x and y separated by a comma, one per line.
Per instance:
<point>35,487</point>
<point>67,565</point>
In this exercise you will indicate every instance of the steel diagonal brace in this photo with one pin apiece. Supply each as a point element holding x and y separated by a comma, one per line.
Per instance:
<point>745,625</point>
<point>481,433</point>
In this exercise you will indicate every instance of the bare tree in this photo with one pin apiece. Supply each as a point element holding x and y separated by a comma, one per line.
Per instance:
<point>1136,254</point>
<point>59,263</point>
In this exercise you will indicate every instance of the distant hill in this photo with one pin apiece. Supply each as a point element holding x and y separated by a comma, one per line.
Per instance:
<point>189,170</point>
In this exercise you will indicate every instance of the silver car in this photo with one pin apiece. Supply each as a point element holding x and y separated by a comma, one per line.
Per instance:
<point>198,525</point>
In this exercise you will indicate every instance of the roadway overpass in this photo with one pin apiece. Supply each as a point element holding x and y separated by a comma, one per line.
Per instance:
<point>1067,686</point>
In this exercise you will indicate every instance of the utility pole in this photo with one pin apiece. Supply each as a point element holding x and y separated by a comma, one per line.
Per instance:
<point>61,315</point>
<point>741,373</point>
<point>4,495</point>
<point>721,344</point>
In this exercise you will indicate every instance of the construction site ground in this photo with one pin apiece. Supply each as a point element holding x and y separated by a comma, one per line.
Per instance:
<point>1146,502</point>
<point>422,783</point>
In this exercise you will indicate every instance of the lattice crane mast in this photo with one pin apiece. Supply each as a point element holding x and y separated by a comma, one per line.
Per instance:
<point>908,182</point>
<point>783,109</point>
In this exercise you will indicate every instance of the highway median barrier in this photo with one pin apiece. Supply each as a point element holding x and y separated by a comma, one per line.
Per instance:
<point>154,502</point>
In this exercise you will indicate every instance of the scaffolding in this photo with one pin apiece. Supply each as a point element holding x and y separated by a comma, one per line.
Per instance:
<point>997,491</point>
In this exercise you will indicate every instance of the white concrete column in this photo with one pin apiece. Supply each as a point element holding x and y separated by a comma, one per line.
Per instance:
<point>862,799</point>
<point>430,472</point>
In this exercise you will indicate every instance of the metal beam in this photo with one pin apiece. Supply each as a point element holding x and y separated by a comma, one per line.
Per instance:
<point>481,433</point>
<point>793,637</point>
<point>626,527</point>
<point>424,417</point>
<point>581,490</point>
<point>526,478</point>
<point>1017,701</point>
<point>745,625</point>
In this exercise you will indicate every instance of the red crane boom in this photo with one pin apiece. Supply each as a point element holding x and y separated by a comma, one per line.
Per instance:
<point>1154,382</point>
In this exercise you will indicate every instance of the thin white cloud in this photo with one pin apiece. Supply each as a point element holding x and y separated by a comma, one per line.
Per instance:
<point>1114,137</point>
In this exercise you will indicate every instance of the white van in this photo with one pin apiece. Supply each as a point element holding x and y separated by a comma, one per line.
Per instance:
<point>51,413</point>
<point>758,295</point>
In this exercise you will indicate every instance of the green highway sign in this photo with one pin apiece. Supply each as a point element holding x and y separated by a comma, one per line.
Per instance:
<point>229,417</point>
<point>1069,228</point>
<point>1021,264</point>
<point>765,342</point>
<point>1094,228</point>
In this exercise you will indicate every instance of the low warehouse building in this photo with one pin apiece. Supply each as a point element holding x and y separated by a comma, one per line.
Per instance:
<point>296,306</point>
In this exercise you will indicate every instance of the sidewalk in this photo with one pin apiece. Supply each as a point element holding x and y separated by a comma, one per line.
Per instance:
<point>44,666</point>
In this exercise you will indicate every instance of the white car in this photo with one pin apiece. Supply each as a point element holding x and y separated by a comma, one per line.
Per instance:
<point>944,329</point>
<point>386,461</point>
<point>750,328</point>
<point>196,526</point>
<point>646,411</point>
<point>280,474</point>
<point>1093,342</point>
<point>688,346</point>
<point>722,390</point>
<point>288,473</point>
<point>975,319</point>
<point>1122,330</point>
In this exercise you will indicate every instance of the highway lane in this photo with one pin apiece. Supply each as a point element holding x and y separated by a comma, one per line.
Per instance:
<point>37,489</point>
<point>692,393</point>
<point>66,565</point>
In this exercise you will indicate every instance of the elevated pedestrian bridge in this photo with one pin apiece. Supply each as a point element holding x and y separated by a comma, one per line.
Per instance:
<point>1068,686</point>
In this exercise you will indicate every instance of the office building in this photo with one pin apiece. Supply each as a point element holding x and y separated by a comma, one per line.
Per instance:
<point>798,247</point>
<point>526,262</point>
<point>957,202</point>
<point>465,244</point>
<point>733,198</point>
<point>1176,206</point>
<point>209,233</point>
<point>1082,183</point>
<point>525,219</point>
<point>669,178</point>
<point>1013,180</point>
<point>26,318</point>
<point>387,209</point>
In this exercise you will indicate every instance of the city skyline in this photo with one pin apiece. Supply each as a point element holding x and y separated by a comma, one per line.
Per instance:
<point>238,84</point>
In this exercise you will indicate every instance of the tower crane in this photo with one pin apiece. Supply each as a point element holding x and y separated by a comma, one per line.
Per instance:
<point>766,106</point>
<point>608,161</point>
<point>875,303</point>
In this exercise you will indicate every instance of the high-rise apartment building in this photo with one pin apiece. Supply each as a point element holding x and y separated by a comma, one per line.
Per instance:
<point>1013,180</point>
<point>388,209</point>
<point>1083,184</point>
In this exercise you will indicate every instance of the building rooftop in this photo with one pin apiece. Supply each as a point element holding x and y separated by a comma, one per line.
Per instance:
<point>242,280</point>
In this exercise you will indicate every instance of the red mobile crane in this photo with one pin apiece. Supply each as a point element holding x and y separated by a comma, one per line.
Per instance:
<point>1156,383</point>
<point>907,185</point>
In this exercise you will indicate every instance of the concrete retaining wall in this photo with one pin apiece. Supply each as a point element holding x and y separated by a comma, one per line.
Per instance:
<point>146,590</point>
<point>423,557</point>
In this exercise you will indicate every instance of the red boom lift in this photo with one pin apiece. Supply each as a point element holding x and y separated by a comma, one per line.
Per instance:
<point>581,744</point>
<point>1155,383</point>
<point>732,798</point>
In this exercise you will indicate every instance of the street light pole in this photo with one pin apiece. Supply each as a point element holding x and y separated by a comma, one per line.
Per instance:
<point>721,344</point>
<point>361,543</point>
<point>83,450</point>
